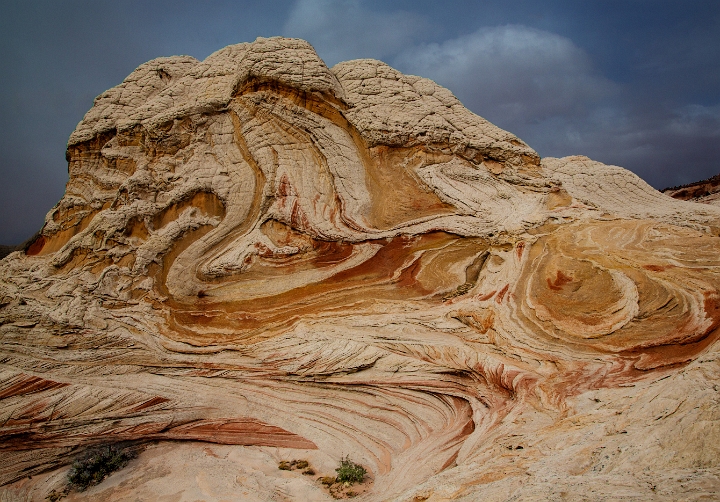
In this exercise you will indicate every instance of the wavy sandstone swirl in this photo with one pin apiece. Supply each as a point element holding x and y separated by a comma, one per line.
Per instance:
<point>258,250</point>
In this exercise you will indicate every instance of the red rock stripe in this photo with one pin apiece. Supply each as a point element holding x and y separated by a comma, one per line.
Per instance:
<point>150,403</point>
<point>487,296</point>
<point>240,432</point>
<point>27,384</point>
<point>501,294</point>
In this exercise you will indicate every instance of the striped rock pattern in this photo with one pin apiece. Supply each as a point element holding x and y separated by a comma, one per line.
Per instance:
<point>256,249</point>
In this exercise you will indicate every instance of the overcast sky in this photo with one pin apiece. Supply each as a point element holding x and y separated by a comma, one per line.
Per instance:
<point>630,82</point>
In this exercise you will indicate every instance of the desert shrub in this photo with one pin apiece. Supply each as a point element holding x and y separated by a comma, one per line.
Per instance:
<point>55,496</point>
<point>327,480</point>
<point>285,465</point>
<point>98,463</point>
<point>350,472</point>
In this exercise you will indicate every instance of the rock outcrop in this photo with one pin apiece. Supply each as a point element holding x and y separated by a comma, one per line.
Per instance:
<point>258,250</point>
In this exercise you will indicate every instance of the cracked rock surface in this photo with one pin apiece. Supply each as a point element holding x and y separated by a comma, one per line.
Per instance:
<point>267,254</point>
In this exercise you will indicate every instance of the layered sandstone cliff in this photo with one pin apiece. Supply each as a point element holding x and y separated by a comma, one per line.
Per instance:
<point>257,250</point>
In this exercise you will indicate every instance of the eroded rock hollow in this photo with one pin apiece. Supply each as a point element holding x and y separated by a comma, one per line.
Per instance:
<point>256,249</point>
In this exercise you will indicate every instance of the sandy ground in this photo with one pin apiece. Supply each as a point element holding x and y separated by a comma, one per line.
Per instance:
<point>190,472</point>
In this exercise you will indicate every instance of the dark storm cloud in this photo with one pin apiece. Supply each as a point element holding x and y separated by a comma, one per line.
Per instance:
<point>521,74</point>
<point>632,83</point>
<point>344,29</point>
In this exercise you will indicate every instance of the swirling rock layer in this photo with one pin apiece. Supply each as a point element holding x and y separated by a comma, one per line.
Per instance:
<point>258,250</point>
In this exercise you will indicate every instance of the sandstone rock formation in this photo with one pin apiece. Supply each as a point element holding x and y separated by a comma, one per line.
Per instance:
<point>256,250</point>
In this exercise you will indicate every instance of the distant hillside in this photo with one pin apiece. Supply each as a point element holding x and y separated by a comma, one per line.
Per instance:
<point>705,191</point>
<point>6,250</point>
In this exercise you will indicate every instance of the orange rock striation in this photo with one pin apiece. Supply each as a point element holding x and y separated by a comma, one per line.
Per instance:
<point>256,249</point>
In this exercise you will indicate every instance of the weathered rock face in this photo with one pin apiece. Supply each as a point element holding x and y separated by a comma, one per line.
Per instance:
<point>258,250</point>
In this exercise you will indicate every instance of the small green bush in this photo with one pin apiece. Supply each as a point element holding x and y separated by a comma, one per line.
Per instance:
<point>98,463</point>
<point>350,472</point>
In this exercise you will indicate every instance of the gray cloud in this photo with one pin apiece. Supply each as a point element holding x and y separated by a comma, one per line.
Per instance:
<point>343,29</point>
<point>512,73</point>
